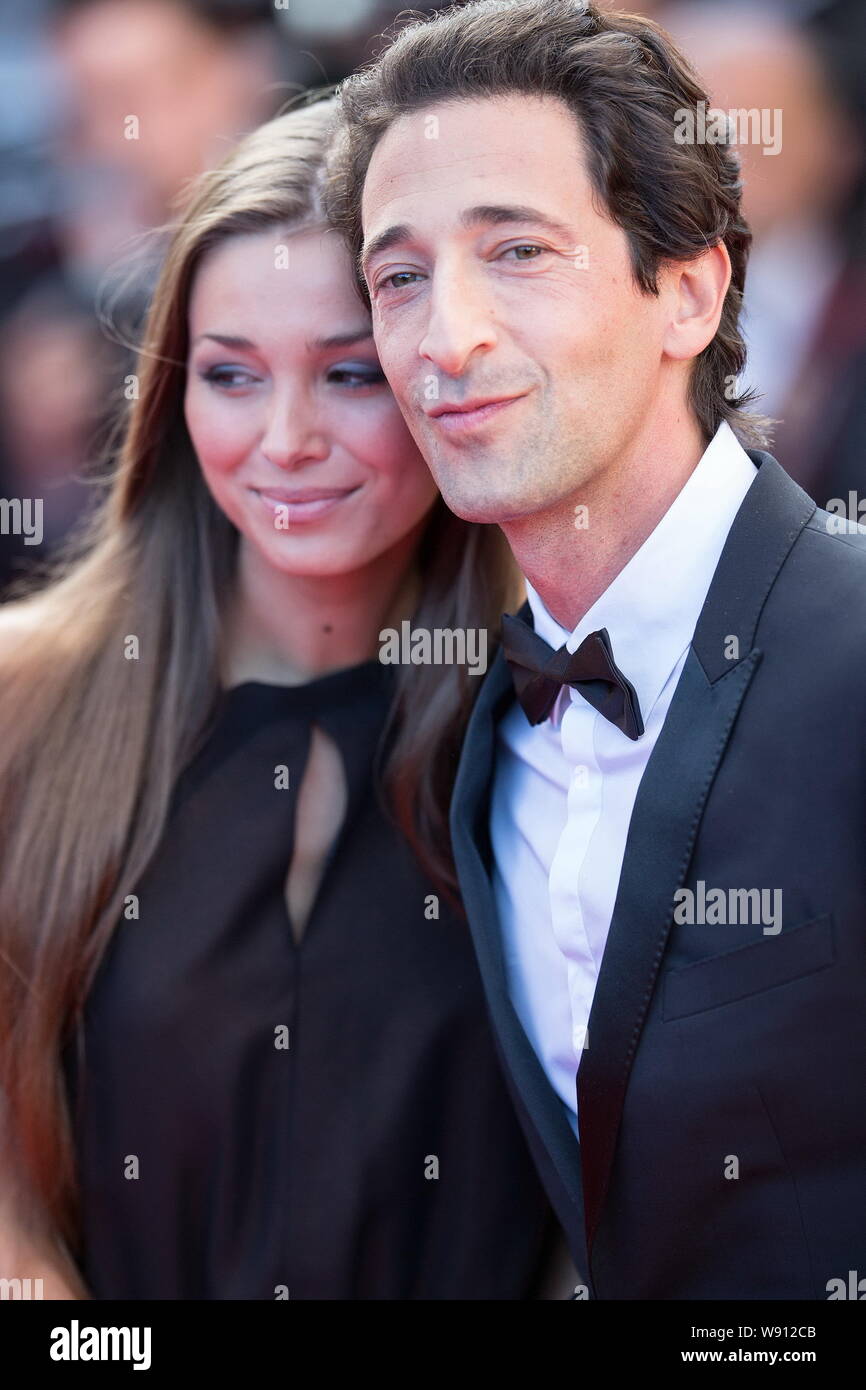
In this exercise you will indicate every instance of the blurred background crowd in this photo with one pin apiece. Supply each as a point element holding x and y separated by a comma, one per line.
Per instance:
<point>109,107</point>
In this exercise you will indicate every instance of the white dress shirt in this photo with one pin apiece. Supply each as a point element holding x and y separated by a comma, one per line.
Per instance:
<point>563,790</point>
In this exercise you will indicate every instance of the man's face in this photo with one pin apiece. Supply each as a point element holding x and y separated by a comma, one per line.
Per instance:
<point>493,275</point>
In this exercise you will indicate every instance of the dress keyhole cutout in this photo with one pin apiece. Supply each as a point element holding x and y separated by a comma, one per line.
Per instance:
<point>319,814</point>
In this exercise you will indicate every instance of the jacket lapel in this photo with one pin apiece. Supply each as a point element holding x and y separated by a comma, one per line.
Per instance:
<point>470,833</point>
<point>668,807</point>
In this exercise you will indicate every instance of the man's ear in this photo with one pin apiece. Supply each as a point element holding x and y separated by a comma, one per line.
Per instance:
<point>696,291</point>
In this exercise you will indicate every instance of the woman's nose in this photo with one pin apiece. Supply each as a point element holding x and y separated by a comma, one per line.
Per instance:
<point>293,433</point>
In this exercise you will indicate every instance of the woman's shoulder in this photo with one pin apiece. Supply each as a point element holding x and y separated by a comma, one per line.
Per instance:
<point>18,624</point>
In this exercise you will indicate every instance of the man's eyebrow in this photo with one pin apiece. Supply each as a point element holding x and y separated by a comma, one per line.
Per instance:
<point>503,213</point>
<point>383,241</point>
<point>341,340</point>
<point>497,214</point>
<point>334,340</point>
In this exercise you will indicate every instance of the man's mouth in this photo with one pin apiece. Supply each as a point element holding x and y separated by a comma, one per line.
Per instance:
<point>459,416</point>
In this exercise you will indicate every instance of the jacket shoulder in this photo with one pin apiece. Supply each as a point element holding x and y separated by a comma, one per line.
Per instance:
<point>825,581</point>
<point>847,537</point>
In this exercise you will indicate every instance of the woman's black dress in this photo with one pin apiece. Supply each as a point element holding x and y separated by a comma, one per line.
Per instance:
<point>260,1119</point>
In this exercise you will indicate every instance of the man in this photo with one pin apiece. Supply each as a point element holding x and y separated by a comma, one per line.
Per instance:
<point>660,842</point>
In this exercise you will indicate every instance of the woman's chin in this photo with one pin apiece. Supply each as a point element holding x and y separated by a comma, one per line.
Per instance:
<point>308,557</point>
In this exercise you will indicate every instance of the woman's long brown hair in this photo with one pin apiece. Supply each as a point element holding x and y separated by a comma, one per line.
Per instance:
<point>93,741</point>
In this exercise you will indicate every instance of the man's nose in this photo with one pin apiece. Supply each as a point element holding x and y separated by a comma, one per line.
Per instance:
<point>293,431</point>
<point>461,321</point>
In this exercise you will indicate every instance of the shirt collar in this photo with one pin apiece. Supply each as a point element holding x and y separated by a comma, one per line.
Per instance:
<point>651,608</point>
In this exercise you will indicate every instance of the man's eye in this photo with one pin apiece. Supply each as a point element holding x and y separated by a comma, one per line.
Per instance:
<point>534,251</point>
<point>390,281</point>
<point>227,376</point>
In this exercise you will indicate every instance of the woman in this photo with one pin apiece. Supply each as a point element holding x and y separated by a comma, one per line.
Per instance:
<point>223,1079</point>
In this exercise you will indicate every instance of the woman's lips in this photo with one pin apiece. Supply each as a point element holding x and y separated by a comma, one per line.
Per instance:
<point>306,504</point>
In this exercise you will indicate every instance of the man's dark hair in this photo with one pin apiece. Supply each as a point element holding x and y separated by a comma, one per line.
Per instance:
<point>625,82</point>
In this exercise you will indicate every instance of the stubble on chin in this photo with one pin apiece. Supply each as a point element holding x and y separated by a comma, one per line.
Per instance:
<point>474,494</point>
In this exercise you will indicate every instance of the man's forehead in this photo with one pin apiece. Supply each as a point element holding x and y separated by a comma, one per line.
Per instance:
<point>510,142</point>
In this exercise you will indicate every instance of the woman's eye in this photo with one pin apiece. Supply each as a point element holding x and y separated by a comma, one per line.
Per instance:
<point>356,376</point>
<point>227,376</point>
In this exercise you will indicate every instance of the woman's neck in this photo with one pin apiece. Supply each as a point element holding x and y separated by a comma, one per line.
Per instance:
<point>286,629</point>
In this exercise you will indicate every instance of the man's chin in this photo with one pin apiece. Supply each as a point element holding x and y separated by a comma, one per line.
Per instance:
<point>484,510</point>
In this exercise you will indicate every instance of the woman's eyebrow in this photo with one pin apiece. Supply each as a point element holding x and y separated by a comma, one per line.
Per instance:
<point>225,340</point>
<point>334,340</point>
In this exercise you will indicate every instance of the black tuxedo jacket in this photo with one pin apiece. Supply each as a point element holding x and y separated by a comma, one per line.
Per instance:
<point>722,1094</point>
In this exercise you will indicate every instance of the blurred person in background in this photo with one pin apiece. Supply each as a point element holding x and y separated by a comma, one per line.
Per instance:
<point>139,96</point>
<point>805,298</point>
<point>55,377</point>
<point>156,91</point>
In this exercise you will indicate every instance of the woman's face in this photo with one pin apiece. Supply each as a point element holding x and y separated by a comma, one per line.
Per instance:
<point>298,436</point>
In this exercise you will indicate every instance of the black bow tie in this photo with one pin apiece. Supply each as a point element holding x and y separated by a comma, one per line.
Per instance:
<point>539,674</point>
